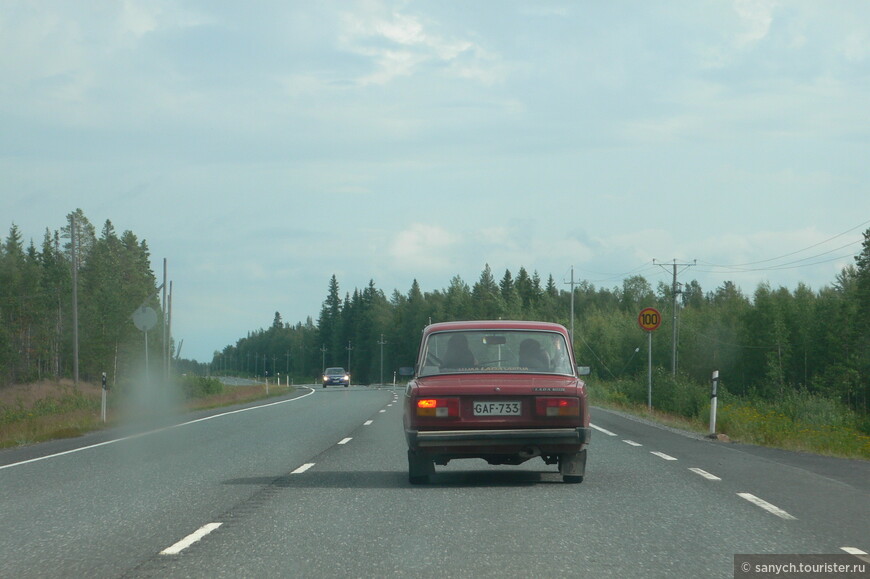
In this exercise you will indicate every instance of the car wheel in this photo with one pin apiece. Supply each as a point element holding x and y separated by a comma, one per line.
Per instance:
<point>324,385</point>
<point>420,467</point>
<point>572,467</point>
<point>346,385</point>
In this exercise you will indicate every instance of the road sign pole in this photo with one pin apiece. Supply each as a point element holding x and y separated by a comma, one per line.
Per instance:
<point>649,370</point>
<point>649,320</point>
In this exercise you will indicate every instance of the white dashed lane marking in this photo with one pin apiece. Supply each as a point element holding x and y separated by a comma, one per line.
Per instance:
<point>767,506</point>
<point>662,455</point>
<point>599,429</point>
<point>705,474</point>
<point>345,440</point>
<point>632,443</point>
<point>190,539</point>
<point>303,468</point>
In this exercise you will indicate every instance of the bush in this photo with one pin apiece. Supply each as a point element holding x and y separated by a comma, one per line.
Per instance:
<point>675,395</point>
<point>200,387</point>
<point>679,395</point>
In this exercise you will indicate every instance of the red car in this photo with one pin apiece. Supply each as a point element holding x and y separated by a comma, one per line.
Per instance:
<point>503,391</point>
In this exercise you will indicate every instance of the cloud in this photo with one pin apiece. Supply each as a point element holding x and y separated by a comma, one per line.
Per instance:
<point>756,17</point>
<point>400,45</point>
<point>424,247</point>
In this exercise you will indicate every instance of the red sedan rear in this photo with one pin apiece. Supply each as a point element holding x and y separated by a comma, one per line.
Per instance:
<point>503,391</point>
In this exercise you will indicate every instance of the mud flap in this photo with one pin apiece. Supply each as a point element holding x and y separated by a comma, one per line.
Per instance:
<point>572,467</point>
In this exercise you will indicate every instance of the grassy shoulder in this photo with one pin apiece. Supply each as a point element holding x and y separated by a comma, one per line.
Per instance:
<point>49,410</point>
<point>796,421</point>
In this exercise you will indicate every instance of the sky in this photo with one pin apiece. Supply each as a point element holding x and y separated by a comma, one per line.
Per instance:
<point>262,147</point>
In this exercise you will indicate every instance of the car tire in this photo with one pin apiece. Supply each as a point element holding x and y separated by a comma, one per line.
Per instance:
<point>324,385</point>
<point>420,467</point>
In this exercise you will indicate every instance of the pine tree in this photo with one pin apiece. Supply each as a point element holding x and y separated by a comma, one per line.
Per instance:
<point>487,304</point>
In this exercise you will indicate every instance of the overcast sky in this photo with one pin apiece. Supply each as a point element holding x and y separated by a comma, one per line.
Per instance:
<point>262,147</point>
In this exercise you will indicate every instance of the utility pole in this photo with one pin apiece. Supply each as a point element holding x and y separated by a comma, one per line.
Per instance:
<point>165,328</point>
<point>572,306</point>
<point>323,358</point>
<point>169,336</point>
<point>75,297</point>
<point>675,290</point>
<point>349,348</point>
<point>381,342</point>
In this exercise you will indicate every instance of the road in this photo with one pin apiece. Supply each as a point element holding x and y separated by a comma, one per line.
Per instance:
<point>316,485</point>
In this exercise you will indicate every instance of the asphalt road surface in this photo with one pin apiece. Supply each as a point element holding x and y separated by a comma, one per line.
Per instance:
<point>315,485</point>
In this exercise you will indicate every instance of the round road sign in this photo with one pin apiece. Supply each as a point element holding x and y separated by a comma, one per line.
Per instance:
<point>145,318</point>
<point>649,319</point>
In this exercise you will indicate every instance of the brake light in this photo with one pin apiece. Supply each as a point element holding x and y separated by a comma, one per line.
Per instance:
<point>438,407</point>
<point>553,406</point>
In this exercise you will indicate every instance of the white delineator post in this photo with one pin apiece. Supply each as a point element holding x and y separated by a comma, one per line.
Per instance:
<point>713,401</point>
<point>103,406</point>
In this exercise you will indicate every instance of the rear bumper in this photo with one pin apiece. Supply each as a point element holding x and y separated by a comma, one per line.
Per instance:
<point>493,439</point>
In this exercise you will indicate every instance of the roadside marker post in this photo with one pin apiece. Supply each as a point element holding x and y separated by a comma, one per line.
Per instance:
<point>103,408</point>
<point>713,401</point>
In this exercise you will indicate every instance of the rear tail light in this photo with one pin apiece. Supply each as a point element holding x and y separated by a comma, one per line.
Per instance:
<point>556,406</point>
<point>438,407</point>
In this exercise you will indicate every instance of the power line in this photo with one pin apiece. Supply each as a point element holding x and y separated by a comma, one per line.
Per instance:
<point>740,265</point>
<point>725,270</point>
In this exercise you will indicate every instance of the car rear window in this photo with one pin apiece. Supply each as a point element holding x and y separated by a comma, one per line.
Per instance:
<point>481,351</point>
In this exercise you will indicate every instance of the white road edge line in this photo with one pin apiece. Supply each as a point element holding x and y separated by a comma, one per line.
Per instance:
<point>662,455</point>
<point>767,506</point>
<point>368,422</point>
<point>303,468</point>
<point>705,474</point>
<point>632,443</point>
<point>599,429</point>
<point>345,440</point>
<point>141,434</point>
<point>190,539</point>
<point>853,551</point>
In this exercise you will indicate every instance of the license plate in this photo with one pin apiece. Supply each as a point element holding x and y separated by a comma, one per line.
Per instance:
<point>508,408</point>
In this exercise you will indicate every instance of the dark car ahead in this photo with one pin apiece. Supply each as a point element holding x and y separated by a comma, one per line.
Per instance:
<point>335,377</point>
<point>503,391</point>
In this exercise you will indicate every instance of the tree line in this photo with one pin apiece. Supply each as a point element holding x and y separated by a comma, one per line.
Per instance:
<point>762,344</point>
<point>36,307</point>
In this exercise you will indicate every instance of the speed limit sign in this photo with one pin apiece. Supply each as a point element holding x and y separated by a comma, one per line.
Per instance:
<point>649,319</point>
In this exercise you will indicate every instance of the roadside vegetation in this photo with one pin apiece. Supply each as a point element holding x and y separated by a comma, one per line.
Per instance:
<point>50,410</point>
<point>797,420</point>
